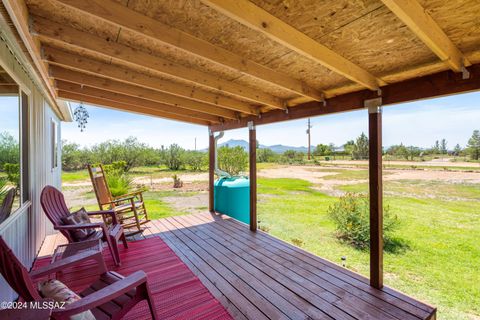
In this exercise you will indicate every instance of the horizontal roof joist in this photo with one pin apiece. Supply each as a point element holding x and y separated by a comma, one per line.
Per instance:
<point>431,86</point>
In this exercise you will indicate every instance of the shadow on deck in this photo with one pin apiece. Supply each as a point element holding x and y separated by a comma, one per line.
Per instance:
<point>257,276</point>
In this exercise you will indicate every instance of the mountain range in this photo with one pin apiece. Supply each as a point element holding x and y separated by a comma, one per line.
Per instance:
<point>278,148</point>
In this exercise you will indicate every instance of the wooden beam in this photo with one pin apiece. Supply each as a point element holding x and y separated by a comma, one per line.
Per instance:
<point>252,16</point>
<point>18,12</point>
<point>435,85</point>
<point>252,148</point>
<point>139,92</point>
<point>108,95</point>
<point>9,89</point>
<point>211,171</point>
<point>424,27</point>
<point>144,26</point>
<point>49,31</point>
<point>376,196</point>
<point>95,67</point>
<point>71,96</point>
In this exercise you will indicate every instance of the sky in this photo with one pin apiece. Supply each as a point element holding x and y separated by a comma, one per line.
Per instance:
<point>418,123</point>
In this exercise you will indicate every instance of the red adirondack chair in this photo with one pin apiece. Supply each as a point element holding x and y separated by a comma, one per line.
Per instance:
<point>98,297</point>
<point>53,203</point>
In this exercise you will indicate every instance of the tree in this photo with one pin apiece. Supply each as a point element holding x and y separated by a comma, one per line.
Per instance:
<point>457,150</point>
<point>436,148</point>
<point>473,146</point>
<point>360,149</point>
<point>9,149</point>
<point>232,160</point>
<point>266,155</point>
<point>174,157</point>
<point>322,150</point>
<point>443,147</point>
<point>195,159</point>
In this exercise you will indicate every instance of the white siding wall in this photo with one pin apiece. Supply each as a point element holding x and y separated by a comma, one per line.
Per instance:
<point>25,230</point>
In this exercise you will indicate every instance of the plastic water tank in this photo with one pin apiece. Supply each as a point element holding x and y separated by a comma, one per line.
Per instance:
<point>232,197</point>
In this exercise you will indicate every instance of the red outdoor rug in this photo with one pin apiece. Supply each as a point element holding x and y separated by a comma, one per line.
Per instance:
<point>177,292</point>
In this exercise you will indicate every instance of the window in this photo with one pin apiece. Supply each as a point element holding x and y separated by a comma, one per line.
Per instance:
<point>54,145</point>
<point>13,146</point>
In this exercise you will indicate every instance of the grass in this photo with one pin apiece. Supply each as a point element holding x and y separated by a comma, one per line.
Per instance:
<point>439,266</point>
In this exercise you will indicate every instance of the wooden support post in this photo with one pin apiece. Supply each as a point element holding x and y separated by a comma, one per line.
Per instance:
<point>211,169</point>
<point>376,194</point>
<point>253,175</point>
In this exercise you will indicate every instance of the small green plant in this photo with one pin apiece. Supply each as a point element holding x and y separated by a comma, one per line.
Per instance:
<point>177,182</point>
<point>351,215</point>
<point>264,228</point>
<point>297,242</point>
<point>119,182</point>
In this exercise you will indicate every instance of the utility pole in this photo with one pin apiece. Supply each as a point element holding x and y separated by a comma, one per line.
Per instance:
<point>195,143</point>
<point>308,133</point>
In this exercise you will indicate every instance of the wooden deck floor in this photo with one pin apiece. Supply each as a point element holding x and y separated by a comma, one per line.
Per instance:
<point>257,276</point>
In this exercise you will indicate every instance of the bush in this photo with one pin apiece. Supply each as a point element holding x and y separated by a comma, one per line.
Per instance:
<point>292,157</point>
<point>266,155</point>
<point>13,173</point>
<point>351,215</point>
<point>196,160</point>
<point>232,160</point>
<point>3,188</point>
<point>119,183</point>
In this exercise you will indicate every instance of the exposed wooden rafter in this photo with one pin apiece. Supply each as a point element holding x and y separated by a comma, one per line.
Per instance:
<point>136,102</point>
<point>95,67</point>
<point>18,12</point>
<point>72,96</point>
<point>64,36</point>
<point>125,18</point>
<point>60,73</point>
<point>421,23</point>
<point>256,18</point>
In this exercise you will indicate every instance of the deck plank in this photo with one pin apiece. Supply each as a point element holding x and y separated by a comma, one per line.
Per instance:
<point>257,276</point>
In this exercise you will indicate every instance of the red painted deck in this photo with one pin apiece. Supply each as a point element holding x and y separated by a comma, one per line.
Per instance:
<point>177,292</point>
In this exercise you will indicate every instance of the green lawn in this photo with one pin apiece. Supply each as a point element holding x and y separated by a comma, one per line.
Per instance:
<point>440,266</point>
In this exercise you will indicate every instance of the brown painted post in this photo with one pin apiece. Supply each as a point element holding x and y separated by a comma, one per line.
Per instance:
<point>253,175</point>
<point>376,196</point>
<point>211,169</point>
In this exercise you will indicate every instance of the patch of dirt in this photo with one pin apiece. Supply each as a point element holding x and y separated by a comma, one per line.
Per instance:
<point>187,177</point>
<point>187,186</point>
<point>447,176</point>
<point>433,163</point>
<point>75,197</point>
<point>193,204</point>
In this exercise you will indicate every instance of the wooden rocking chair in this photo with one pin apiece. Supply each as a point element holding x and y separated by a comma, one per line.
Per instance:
<point>7,204</point>
<point>129,208</point>
<point>111,289</point>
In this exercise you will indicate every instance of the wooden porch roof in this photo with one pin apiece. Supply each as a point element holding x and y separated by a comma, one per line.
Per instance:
<point>257,276</point>
<point>215,62</point>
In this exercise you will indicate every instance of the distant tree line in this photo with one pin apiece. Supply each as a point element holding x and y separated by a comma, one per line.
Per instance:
<point>235,160</point>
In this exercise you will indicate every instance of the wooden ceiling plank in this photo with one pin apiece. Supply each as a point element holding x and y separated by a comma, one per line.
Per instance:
<point>76,97</point>
<point>60,73</point>
<point>18,12</point>
<point>125,18</point>
<point>247,13</point>
<point>412,14</point>
<point>90,66</point>
<point>108,95</point>
<point>48,30</point>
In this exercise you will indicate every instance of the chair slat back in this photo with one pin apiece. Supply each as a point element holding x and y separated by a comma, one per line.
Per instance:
<point>7,204</point>
<point>16,274</point>
<point>100,185</point>
<point>54,206</point>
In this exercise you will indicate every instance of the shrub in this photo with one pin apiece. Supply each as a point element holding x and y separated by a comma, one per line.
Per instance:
<point>232,160</point>
<point>13,173</point>
<point>119,183</point>
<point>3,188</point>
<point>196,160</point>
<point>351,215</point>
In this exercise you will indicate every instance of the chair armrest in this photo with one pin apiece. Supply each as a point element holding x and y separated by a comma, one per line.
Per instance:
<point>80,226</point>
<point>128,198</point>
<point>111,213</point>
<point>60,265</point>
<point>105,294</point>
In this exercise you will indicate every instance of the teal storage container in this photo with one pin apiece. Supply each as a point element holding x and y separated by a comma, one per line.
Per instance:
<point>232,197</point>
